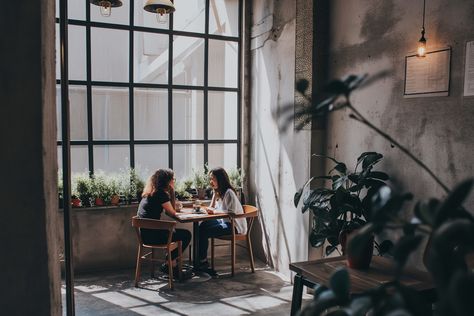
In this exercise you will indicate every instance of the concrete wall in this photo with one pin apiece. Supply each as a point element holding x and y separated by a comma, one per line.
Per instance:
<point>29,265</point>
<point>278,161</point>
<point>368,36</point>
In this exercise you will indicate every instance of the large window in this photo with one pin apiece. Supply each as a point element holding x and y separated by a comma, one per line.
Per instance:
<point>151,95</point>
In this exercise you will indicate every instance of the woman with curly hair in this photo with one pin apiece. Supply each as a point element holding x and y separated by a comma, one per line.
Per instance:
<point>159,196</point>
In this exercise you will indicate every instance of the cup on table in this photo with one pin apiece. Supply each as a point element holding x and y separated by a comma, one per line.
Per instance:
<point>179,206</point>
<point>197,206</point>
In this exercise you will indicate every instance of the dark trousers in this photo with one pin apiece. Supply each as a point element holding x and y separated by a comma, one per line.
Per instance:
<point>209,229</point>
<point>158,236</point>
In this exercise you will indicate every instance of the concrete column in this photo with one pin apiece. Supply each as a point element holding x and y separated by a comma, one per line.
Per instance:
<point>29,262</point>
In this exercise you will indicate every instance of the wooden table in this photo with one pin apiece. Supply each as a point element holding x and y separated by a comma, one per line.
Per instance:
<point>381,270</point>
<point>187,215</point>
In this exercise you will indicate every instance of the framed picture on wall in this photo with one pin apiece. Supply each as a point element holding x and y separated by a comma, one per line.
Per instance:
<point>428,76</point>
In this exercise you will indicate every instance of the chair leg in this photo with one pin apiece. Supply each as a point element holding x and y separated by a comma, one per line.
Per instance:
<point>138,267</point>
<point>249,249</point>
<point>180,260</point>
<point>152,263</point>
<point>212,253</point>
<point>233,255</point>
<point>170,270</point>
<point>190,261</point>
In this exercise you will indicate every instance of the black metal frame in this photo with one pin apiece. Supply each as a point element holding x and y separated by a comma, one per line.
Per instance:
<point>131,85</point>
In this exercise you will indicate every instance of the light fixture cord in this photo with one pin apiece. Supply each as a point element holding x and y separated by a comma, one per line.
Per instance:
<point>423,27</point>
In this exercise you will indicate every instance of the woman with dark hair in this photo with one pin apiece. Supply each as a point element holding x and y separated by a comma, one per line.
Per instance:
<point>224,200</point>
<point>159,196</point>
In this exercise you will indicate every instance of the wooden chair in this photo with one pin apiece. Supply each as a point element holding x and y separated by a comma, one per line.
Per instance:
<point>250,213</point>
<point>139,223</point>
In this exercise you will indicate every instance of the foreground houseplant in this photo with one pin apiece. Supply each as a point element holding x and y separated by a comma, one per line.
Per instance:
<point>345,206</point>
<point>449,226</point>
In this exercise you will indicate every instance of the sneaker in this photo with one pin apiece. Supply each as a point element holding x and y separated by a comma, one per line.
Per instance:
<point>203,265</point>
<point>164,268</point>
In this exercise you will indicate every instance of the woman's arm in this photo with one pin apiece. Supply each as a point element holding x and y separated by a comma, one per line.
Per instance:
<point>213,201</point>
<point>169,209</point>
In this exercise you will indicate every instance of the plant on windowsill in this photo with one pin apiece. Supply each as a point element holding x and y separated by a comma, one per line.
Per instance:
<point>201,181</point>
<point>83,186</point>
<point>101,190</point>
<point>345,206</point>
<point>235,176</point>
<point>180,190</point>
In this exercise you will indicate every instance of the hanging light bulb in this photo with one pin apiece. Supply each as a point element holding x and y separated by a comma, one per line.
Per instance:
<point>421,51</point>
<point>106,6</point>
<point>161,7</point>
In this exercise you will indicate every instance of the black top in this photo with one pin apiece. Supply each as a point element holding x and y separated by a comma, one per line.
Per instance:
<point>151,206</point>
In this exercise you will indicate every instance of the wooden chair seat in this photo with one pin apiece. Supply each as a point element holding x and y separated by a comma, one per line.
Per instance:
<point>250,214</point>
<point>146,223</point>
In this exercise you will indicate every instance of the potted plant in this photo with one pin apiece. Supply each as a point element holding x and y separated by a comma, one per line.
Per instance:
<point>447,223</point>
<point>235,176</point>
<point>344,206</point>
<point>113,182</point>
<point>100,189</point>
<point>131,185</point>
<point>201,182</point>
<point>83,187</point>
<point>60,189</point>
<point>181,191</point>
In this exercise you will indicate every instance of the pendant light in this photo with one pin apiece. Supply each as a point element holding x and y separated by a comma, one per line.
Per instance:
<point>106,6</point>
<point>421,51</point>
<point>161,7</point>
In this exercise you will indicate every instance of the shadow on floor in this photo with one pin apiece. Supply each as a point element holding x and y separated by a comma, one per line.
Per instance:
<point>112,293</point>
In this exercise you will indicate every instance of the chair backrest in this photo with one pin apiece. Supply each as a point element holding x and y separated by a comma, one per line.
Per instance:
<point>148,223</point>
<point>252,212</point>
<point>250,209</point>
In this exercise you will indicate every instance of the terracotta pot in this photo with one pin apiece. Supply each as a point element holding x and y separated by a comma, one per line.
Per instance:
<point>99,202</point>
<point>361,259</point>
<point>75,202</point>
<point>201,194</point>
<point>115,199</point>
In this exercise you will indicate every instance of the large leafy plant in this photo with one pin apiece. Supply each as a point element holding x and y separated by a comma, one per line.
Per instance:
<point>345,205</point>
<point>449,227</point>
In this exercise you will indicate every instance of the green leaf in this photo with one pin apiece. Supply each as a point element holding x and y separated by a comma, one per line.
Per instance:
<point>340,284</point>
<point>330,249</point>
<point>371,159</point>
<point>327,157</point>
<point>336,87</point>
<point>341,167</point>
<point>378,175</point>
<point>298,194</point>
<point>453,202</point>
<point>426,212</point>
<point>302,85</point>
<point>316,240</point>
<point>385,246</point>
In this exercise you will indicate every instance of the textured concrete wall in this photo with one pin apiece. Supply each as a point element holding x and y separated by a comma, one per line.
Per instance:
<point>368,36</point>
<point>30,261</point>
<point>279,161</point>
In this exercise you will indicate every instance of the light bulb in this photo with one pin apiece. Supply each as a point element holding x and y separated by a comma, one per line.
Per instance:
<point>105,8</point>
<point>161,15</point>
<point>162,18</point>
<point>421,51</point>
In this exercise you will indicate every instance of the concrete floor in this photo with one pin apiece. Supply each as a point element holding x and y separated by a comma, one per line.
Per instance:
<point>112,293</point>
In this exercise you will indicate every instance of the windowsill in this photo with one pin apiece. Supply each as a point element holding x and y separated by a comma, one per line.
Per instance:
<point>103,208</point>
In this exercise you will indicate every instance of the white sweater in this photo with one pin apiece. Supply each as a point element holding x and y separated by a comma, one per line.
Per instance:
<point>231,204</point>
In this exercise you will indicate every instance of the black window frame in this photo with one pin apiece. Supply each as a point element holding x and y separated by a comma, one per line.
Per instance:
<point>131,85</point>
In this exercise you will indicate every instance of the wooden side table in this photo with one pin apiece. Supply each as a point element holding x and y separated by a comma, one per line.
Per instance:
<point>381,270</point>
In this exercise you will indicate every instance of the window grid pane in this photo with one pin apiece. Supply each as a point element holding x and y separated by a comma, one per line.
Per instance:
<point>151,86</point>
